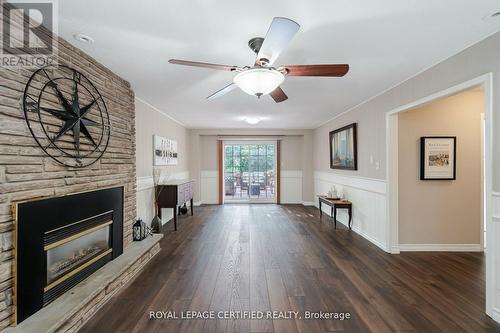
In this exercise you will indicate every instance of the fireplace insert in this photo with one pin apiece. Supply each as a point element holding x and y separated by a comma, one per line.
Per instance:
<point>61,241</point>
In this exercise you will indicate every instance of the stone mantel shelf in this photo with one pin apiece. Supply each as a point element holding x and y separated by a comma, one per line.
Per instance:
<point>52,317</point>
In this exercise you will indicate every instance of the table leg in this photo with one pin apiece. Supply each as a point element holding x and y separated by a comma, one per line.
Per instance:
<point>350,217</point>
<point>175,218</point>
<point>320,211</point>
<point>335,216</point>
<point>191,201</point>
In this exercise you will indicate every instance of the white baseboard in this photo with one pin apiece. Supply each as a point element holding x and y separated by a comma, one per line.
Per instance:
<point>440,247</point>
<point>496,315</point>
<point>368,237</point>
<point>308,203</point>
<point>358,230</point>
<point>395,250</point>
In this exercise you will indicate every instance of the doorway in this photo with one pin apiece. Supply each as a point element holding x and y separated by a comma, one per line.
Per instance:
<point>483,82</point>
<point>249,172</point>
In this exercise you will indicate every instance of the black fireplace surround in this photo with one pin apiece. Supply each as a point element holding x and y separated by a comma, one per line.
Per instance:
<point>60,241</point>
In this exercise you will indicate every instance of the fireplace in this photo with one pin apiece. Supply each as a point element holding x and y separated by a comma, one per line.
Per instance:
<point>61,241</point>
<point>72,249</point>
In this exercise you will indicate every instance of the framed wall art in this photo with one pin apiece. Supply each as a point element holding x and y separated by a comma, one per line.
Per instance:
<point>164,150</point>
<point>343,148</point>
<point>438,157</point>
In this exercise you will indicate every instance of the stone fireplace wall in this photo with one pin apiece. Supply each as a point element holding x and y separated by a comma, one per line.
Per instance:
<point>27,173</point>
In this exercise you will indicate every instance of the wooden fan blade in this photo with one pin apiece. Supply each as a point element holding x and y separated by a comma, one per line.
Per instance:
<point>317,70</point>
<point>223,91</point>
<point>203,64</point>
<point>278,37</point>
<point>278,95</point>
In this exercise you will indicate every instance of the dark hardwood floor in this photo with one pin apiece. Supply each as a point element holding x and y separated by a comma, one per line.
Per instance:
<point>282,258</point>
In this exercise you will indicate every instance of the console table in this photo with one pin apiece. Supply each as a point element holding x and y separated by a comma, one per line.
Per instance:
<point>173,195</point>
<point>336,204</point>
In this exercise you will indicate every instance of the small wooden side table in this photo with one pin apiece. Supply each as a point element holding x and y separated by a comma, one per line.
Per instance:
<point>336,204</point>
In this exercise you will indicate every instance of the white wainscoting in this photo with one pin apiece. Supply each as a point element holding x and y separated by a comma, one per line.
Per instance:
<point>493,257</point>
<point>369,204</point>
<point>145,197</point>
<point>209,185</point>
<point>291,186</point>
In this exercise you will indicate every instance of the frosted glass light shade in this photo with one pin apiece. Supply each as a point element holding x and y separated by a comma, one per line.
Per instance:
<point>259,81</point>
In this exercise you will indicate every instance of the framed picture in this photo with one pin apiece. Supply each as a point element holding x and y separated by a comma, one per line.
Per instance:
<point>164,151</point>
<point>438,157</point>
<point>343,148</point>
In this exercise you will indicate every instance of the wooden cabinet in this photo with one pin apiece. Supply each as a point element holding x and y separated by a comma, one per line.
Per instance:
<point>174,195</point>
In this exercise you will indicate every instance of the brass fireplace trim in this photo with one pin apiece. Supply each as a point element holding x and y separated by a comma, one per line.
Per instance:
<point>76,270</point>
<point>75,236</point>
<point>14,266</point>
<point>80,221</point>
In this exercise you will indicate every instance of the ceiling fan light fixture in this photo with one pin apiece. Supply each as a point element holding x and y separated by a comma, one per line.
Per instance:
<point>259,81</point>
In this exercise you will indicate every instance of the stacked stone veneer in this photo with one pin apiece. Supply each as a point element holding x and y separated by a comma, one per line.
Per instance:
<point>27,173</point>
<point>77,319</point>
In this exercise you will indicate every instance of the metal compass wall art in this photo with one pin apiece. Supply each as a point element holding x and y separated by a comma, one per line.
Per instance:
<point>66,115</point>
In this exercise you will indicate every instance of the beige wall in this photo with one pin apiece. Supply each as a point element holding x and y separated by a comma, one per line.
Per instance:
<point>307,168</point>
<point>475,61</point>
<point>150,121</point>
<point>471,63</point>
<point>209,153</point>
<point>441,212</point>
<point>370,138</point>
<point>291,153</point>
<point>296,154</point>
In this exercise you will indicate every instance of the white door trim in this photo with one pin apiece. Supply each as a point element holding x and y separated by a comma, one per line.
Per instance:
<point>486,81</point>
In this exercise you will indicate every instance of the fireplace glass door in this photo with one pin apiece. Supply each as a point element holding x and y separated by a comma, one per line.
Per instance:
<point>67,256</point>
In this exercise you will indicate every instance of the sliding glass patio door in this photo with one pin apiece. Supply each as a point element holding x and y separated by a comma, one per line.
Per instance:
<point>249,171</point>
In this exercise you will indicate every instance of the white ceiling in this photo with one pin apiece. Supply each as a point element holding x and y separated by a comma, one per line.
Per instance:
<point>384,41</point>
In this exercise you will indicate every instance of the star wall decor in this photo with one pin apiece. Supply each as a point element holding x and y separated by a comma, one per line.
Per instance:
<point>66,115</point>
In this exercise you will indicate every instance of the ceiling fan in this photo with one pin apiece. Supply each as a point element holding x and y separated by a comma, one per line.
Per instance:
<point>262,78</point>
